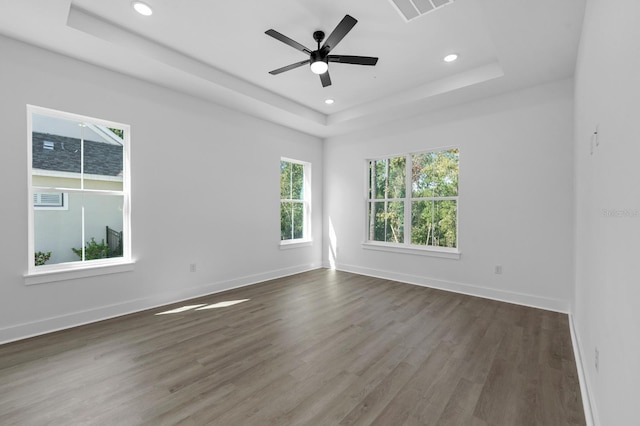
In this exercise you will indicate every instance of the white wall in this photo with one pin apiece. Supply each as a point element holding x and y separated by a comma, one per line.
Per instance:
<point>516,197</point>
<point>607,293</point>
<point>191,162</point>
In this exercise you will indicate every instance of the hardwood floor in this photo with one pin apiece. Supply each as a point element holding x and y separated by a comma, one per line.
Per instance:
<point>319,348</point>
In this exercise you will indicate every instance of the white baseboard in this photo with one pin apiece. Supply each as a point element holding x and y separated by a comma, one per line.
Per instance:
<point>533,301</point>
<point>75,319</point>
<point>590,412</point>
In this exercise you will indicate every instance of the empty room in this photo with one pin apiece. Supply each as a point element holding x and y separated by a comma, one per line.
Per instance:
<point>387,212</point>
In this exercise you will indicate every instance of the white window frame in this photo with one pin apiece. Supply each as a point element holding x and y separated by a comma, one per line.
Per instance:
<point>407,247</point>
<point>78,269</point>
<point>306,239</point>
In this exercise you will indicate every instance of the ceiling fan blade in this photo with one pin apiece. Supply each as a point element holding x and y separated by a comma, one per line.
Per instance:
<point>325,79</point>
<point>286,40</point>
<point>289,67</point>
<point>339,32</point>
<point>357,60</point>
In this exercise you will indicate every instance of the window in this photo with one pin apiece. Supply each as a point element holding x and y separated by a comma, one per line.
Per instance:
<point>412,200</point>
<point>78,192</point>
<point>295,201</point>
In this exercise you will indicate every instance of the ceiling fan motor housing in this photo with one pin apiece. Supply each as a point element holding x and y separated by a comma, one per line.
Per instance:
<point>318,56</point>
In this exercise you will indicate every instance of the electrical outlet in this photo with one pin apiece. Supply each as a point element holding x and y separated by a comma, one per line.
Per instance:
<point>498,269</point>
<point>192,267</point>
<point>597,360</point>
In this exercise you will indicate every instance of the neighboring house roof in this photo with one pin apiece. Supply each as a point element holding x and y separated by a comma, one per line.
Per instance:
<point>61,153</point>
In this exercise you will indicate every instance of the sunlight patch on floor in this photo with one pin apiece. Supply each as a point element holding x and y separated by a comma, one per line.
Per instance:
<point>181,309</point>
<point>203,306</point>
<point>222,304</point>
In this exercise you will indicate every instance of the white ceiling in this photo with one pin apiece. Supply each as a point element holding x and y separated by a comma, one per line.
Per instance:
<point>217,50</point>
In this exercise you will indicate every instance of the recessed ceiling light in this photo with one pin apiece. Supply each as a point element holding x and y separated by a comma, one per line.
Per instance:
<point>329,101</point>
<point>142,8</point>
<point>450,58</point>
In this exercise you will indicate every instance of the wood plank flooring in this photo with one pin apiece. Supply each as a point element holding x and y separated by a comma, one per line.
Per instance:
<point>319,348</point>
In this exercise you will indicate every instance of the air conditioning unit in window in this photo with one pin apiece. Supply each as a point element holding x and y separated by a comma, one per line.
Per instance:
<point>48,199</point>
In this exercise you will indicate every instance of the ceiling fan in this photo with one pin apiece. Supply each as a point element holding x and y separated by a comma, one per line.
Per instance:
<point>320,58</point>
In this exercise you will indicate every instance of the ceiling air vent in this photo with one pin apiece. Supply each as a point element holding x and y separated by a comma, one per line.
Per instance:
<point>411,9</point>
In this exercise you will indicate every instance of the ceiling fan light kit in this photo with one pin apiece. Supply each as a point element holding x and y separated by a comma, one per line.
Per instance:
<point>319,67</point>
<point>319,64</point>
<point>319,59</point>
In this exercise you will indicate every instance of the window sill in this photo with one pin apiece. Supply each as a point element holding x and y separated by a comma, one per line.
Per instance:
<point>291,244</point>
<point>75,272</point>
<point>441,252</point>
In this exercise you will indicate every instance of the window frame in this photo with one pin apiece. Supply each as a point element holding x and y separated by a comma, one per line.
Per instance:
<point>306,239</point>
<point>407,247</point>
<point>81,268</point>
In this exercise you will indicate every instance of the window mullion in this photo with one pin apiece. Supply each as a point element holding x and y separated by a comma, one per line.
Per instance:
<point>82,125</point>
<point>407,201</point>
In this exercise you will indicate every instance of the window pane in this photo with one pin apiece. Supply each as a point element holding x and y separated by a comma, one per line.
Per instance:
<point>103,219</point>
<point>103,158</point>
<point>435,174</point>
<point>285,180</point>
<point>291,181</point>
<point>291,220</point>
<point>297,181</point>
<point>434,223</point>
<point>386,221</point>
<point>55,152</point>
<point>57,231</point>
<point>387,178</point>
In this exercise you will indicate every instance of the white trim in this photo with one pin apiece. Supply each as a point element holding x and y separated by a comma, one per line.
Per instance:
<point>292,160</point>
<point>38,188</point>
<point>443,252</point>
<point>31,263</point>
<point>75,270</point>
<point>540,302</point>
<point>72,116</point>
<point>75,319</point>
<point>404,154</point>
<point>74,175</point>
<point>291,244</point>
<point>590,413</point>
